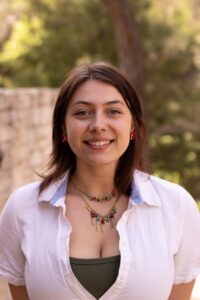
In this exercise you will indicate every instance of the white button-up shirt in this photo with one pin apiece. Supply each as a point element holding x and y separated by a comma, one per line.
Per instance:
<point>159,242</point>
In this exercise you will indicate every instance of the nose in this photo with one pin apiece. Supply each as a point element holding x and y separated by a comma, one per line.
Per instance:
<point>98,123</point>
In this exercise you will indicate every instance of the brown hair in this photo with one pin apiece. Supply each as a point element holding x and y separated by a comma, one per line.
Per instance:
<point>62,159</point>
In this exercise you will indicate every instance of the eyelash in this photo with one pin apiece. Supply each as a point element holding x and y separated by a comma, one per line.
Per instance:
<point>82,113</point>
<point>115,111</point>
<point>85,113</point>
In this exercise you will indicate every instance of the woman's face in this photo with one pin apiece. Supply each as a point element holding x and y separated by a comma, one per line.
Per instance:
<point>98,124</point>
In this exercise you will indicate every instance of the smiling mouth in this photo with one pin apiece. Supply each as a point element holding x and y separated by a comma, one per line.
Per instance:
<point>99,144</point>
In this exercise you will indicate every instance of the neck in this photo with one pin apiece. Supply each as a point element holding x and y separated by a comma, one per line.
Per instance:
<point>95,181</point>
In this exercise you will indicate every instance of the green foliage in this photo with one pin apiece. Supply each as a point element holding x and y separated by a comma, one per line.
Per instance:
<point>51,36</point>
<point>172,84</point>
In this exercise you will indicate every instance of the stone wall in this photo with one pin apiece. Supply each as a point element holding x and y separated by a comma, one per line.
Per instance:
<point>25,140</point>
<point>25,135</point>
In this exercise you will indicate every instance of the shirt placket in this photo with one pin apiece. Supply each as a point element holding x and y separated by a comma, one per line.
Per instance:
<point>125,264</point>
<point>69,278</point>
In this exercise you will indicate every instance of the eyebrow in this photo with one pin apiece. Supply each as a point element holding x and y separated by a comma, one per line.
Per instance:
<point>106,103</point>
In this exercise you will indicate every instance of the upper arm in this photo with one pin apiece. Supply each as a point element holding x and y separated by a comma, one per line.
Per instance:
<point>18,292</point>
<point>12,260</point>
<point>187,257</point>
<point>182,291</point>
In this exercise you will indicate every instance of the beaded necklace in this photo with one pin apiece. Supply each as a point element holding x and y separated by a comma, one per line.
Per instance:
<point>101,219</point>
<point>94,215</point>
<point>94,198</point>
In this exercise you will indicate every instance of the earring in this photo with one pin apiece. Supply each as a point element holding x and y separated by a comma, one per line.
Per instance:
<point>64,138</point>
<point>132,135</point>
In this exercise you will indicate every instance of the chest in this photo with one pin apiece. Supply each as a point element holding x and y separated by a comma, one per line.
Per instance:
<point>90,238</point>
<point>145,260</point>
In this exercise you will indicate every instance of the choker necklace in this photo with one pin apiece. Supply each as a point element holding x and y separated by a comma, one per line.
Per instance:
<point>94,198</point>
<point>102,219</point>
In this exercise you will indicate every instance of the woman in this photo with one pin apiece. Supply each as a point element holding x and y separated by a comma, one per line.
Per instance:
<point>96,226</point>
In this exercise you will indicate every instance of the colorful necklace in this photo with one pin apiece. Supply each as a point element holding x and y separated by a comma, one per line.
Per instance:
<point>102,219</point>
<point>94,198</point>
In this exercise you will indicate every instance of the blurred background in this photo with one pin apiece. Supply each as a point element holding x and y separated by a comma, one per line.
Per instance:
<point>156,43</point>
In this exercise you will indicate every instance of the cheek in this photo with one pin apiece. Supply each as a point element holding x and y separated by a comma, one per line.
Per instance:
<point>125,131</point>
<point>73,142</point>
<point>126,128</point>
<point>75,134</point>
<point>71,127</point>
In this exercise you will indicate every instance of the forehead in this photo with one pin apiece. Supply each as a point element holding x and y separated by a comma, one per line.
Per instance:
<point>96,91</point>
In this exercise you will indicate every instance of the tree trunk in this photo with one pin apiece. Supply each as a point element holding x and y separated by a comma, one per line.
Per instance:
<point>128,42</point>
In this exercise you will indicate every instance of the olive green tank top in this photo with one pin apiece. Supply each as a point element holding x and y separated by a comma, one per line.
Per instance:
<point>97,275</point>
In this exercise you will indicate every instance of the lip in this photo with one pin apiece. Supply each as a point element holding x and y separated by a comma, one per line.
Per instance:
<point>98,140</point>
<point>99,144</point>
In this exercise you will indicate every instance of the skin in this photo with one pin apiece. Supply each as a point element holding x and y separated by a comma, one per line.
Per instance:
<point>182,291</point>
<point>97,113</point>
<point>98,125</point>
<point>18,292</point>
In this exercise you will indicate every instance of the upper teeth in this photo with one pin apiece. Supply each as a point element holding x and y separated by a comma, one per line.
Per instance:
<point>99,143</point>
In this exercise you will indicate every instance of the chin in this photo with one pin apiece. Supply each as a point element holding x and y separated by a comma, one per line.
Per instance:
<point>102,162</point>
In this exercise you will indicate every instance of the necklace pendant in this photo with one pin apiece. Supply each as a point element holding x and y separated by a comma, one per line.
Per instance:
<point>102,221</point>
<point>93,214</point>
<point>101,228</point>
<point>98,218</point>
<point>96,226</point>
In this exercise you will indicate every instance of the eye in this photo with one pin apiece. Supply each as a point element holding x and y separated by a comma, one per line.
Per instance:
<point>114,112</point>
<point>82,113</point>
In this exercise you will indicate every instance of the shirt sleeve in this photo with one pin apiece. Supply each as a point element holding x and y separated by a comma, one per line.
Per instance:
<point>187,258</point>
<point>12,260</point>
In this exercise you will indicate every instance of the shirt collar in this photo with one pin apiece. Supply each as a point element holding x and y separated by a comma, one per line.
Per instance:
<point>143,191</point>
<point>55,192</point>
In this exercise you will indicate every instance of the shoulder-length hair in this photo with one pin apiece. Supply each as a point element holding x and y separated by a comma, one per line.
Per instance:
<point>63,160</point>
